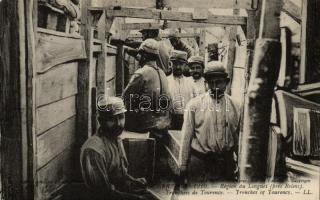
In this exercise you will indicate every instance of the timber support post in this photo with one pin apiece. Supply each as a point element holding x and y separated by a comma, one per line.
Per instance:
<point>257,111</point>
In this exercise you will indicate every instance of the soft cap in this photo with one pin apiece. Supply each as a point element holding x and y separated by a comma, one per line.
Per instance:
<point>110,106</point>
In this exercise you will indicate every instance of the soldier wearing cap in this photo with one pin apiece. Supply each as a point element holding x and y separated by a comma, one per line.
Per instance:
<point>180,45</point>
<point>196,66</point>
<point>180,87</point>
<point>103,160</point>
<point>210,131</point>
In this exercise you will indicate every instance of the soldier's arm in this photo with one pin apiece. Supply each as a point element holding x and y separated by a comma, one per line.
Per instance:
<point>134,86</point>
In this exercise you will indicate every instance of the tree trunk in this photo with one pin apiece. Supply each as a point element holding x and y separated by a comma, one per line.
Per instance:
<point>266,64</point>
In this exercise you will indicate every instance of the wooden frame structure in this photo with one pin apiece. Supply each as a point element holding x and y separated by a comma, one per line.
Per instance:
<point>25,76</point>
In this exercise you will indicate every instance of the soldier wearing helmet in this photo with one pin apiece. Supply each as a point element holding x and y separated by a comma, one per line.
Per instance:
<point>147,94</point>
<point>103,160</point>
<point>196,66</point>
<point>147,97</point>
<point>210,131</point>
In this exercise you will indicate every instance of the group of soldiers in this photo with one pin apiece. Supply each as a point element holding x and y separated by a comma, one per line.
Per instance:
<point>181,92</point>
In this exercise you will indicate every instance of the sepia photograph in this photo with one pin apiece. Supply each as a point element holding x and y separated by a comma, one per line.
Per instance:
<point>159,99</point>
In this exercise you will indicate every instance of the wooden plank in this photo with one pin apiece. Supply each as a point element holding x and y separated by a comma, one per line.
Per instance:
<point>292,10</point>
<point>304,168</point>
<point>84,95</point>
<point>166,35</point>
<point>57,33</point>
<point>286,56</point>
<point>202,43</point>
<point>110,75</point>
<point>287,102</point>
<point>231,52</point>
<point>51,115</point>
<point>55,175</point>
<point>29,141</point>
<point>111,50</point>
<point>310,42</point>
<point>212,19</point>
<point>52,50</point>
<point>169,25</point>
<point>101,67</point>
<point>175,16</point>
<point>56,84</point>
<point>125,3</point>
<point>55,141</point>
<point>13,96</point>
<point>140,26</point>
<point>119,70</point>
<point>246,4</point>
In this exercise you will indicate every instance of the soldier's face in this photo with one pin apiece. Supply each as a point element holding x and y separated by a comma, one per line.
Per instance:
<point>217,85</point>
<point>177,67</point>
<point>113,122</point>
<point>196,70</point>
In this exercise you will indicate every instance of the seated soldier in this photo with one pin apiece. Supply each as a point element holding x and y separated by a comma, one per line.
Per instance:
<point>103,160</point>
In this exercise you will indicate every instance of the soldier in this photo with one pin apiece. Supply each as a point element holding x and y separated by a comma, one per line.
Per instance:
<point>164,48</point>
<point>103,160</point>
<point>148,99</point>
<point>147,96</point>
<point>180,45</point>
<point>180,87</point>
<point>196,66</point>
<point>210,131</point>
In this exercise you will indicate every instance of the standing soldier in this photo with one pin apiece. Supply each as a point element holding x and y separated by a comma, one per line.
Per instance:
<point>164,48</point>
<point>210,131</point>
<point>180,45</point>
<point>180,87</point>
<point>147,97</point>
<point>196,66</point>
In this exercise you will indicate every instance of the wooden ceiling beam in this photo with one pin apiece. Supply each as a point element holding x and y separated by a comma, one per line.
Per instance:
<point>169,25</point>
<point>231,4</point>
<point>175,16</point>
<point>164,35</point>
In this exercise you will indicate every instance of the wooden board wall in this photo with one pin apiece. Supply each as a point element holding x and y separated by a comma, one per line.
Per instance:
<point>56,87</point>
<point>56,92</point>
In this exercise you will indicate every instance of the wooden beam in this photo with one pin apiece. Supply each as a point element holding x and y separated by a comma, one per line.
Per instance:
<point>169,25</point>
<point>257,111</point>
<point>202,43</point>
<point>310,42</point>
<point>126,3</point>
<point>212,19</point>
<point>285,67</point>
<point>181,35</point>
<point>232,52</point>
<point>139,26</point>
<point>246,4</point>
<point>292,10</point>
<point>29,147</point>
<point>175,16</point>
<point>16,99</point>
